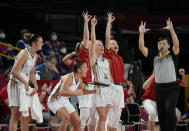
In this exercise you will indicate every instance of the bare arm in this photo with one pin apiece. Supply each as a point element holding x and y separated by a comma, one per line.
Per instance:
<point>108,32</point>
<point>175,40</point>
<point>86,91</point>
<point>86,29</point>
<point>67,58</point>
<point>33,79</point>
<point>148,82</point>
<point>21,58</point>
<point>142,47</point>
<point>92,53</point>
<point>184,82</point>
<point>7,102</point>
<point>67,82</point>
<point>43,92</point>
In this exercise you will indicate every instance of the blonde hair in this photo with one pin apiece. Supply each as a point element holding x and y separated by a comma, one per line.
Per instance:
<point>78,46</point>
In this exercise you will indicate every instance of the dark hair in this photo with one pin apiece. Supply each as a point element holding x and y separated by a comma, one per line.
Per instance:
<point>61,45</point>
<point>77,65</point>
<point>49,58</point>
<point>23,31</point>
<point>164,38</point>
<point>31,37</point>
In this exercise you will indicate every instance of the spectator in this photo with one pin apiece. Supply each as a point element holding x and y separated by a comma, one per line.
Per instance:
<point>62,52</point>
<point>23,42</point>
<point>4,98</point>
<point>48,70</point>
<point>3,48</point>
<point>52,45</point>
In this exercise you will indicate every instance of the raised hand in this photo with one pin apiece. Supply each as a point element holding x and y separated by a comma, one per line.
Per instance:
<point>111,18</point>
<point>49,88</point>
<point>44,88</point>
<point>169,25</point>
<point>142,27</point>
<point>86,16</point>
<point>181,71</point>
<point>94,21</point>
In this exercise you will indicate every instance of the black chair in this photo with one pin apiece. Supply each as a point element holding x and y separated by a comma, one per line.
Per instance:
<point>131,116</point>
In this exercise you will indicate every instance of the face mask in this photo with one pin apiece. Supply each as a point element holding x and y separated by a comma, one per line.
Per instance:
<point>2,36</point>
<point>54,37</point>
<point>63,50</point>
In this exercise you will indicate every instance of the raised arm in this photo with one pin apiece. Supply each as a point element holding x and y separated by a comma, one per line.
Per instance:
<point>64,90</point>
<point>86,29</point>
<point>175,40</point>
<point>148,82</point>
<point>108,32</point>
<point>142,30</point>
<point>92,53</point>
<point>67,58</point>
<point>184,82</point>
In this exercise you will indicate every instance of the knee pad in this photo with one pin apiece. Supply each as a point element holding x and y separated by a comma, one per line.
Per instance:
<point>84,115</point>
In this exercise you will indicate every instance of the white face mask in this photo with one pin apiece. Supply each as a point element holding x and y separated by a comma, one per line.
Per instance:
<point>2,36</point>
<point>54,37</point>
<point>63,50</point>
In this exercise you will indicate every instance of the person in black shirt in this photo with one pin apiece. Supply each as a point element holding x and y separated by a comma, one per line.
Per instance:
<point>165,64</point>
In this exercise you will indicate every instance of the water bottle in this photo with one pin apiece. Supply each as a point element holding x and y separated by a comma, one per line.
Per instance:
<point>37,75</point>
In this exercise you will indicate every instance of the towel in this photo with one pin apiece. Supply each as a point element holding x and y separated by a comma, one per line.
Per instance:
<point>32,102</point>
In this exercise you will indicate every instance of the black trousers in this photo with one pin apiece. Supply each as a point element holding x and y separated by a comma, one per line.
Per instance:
<point>166,98</point>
